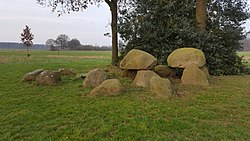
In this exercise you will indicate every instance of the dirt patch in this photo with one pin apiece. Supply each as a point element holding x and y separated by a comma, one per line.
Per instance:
<point>79,57</point>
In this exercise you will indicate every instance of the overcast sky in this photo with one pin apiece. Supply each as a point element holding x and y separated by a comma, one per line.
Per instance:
<point>88,26</point>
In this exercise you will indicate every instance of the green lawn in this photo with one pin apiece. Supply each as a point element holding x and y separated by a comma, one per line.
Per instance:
<point>244,53</point>
<point>220,111</point>
<point>246,57</point>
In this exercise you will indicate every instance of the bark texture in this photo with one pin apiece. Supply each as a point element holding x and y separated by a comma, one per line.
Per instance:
<point>113,8</point>
<point>201,14</point>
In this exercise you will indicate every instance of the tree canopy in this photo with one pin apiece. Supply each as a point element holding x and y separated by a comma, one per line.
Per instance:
<point>62,41</point>
<point>160,26</point>
<point>74,43</point>
<point>51,44</point>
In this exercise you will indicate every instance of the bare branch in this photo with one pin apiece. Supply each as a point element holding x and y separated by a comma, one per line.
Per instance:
<point>108,2</point>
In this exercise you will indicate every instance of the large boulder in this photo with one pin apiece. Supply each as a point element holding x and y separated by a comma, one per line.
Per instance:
<point>31,76</point>
<point>48,78</point>
<point>192,75</point>
<point>94,78</point>
<point>161,87</point>
<point>183,57</point>
<point>107,88</point>
<point>164,71</point>
<point>66,71</point>
<point>143,78</point>
<point>138,60</point>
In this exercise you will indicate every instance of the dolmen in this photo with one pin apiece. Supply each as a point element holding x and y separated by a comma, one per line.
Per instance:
<point>193,62</point>
<point>142,68</point>
<point>141,65</point>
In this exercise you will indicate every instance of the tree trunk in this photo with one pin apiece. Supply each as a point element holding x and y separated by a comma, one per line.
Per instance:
<point>27,51</point>
<point>201,14</point>
<point>113,8</point>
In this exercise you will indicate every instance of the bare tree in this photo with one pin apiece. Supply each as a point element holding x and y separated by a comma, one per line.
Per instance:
<point>51,44</point>
<point>26,38</point>
<point>62,40</point>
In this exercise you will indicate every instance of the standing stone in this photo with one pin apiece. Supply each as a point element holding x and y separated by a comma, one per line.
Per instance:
<point>183,57</point>
<point>143,78</point>
<point>48,78</point>
<point>31,76</point>
<point>94,78</point>
<point>107,88</point>
<point>164,71</point>
<point>192,75</point>
<point>161,87</point>
<point>138,60</point>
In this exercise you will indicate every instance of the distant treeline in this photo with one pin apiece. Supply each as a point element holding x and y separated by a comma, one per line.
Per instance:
<point>91,47</point>
<point>12,45</point>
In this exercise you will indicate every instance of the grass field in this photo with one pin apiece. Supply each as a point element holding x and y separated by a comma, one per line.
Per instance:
<point>220,111</point>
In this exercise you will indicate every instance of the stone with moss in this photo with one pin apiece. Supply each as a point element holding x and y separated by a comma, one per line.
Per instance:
<point>48,78</point>
<point>161,87</point>
<point>138,60</point>
<point>66,71</point>
<point>183,57</point>
<point>143,78</point>
<point>31,76</point>
<point>192,75</point>
<point>164,71</point>
<point>94,78</point>
<point>107,88</point>
<point>80,76</point>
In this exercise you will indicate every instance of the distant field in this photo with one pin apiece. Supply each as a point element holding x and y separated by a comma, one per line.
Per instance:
<point>37,53</point>
<point>80,60</point>
<point>219,111</point>
<point>244,53</point>
<point>246,56</point>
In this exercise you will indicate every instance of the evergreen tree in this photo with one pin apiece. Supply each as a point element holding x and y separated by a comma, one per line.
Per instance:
<point>160,26</point>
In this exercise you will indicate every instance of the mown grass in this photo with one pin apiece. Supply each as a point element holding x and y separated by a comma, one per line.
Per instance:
<point>219,111</point>
<point>244,53</point>
<point>246,57</point>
